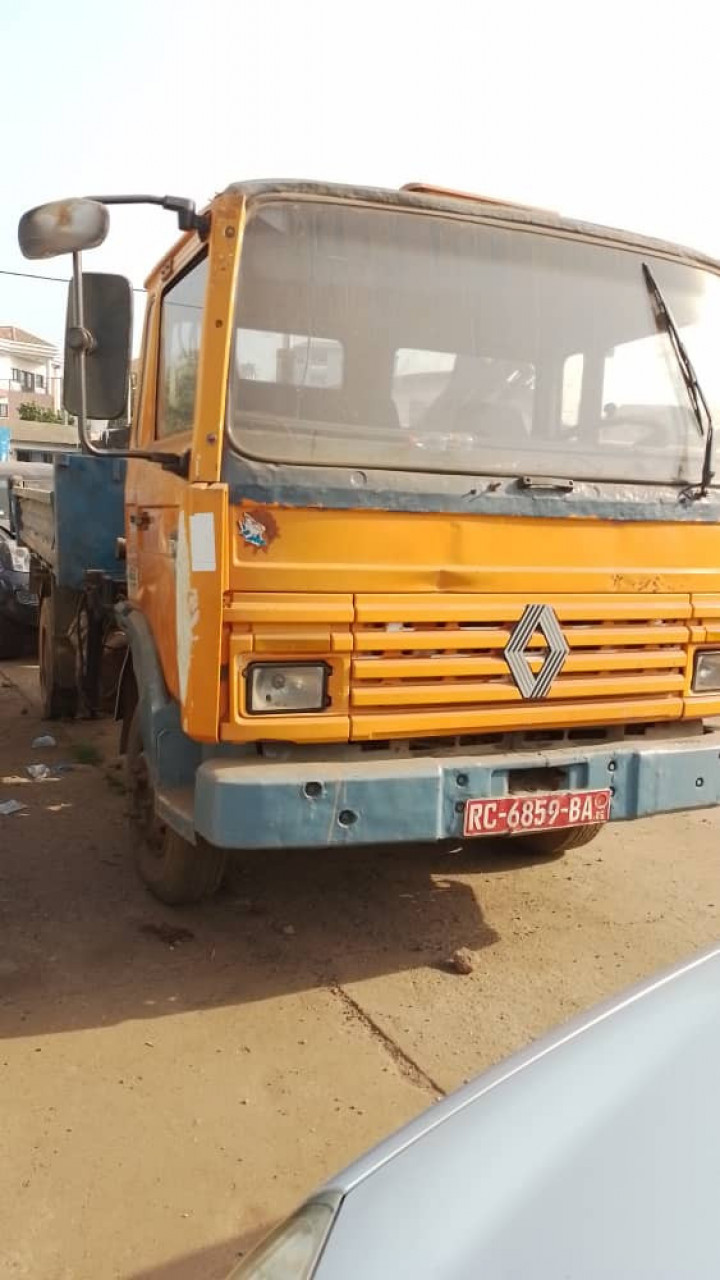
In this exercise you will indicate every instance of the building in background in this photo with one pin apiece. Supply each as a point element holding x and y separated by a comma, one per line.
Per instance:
<point>30,376</point>
<point>29,373</point>
<point>40,441</point>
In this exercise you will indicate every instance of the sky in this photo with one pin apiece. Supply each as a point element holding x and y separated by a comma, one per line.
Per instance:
<point>606,111</point>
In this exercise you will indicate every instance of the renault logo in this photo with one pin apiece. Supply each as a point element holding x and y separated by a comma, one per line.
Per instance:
<point>536,618</point>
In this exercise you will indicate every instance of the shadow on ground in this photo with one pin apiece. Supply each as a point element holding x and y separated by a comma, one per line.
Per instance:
<point>213,1263</point>
<point>82,943</point>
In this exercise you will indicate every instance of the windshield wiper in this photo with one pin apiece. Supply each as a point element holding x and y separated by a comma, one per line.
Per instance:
<point>695,392</point>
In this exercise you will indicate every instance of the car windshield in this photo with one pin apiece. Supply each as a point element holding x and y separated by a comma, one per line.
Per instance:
<point>376,337</point>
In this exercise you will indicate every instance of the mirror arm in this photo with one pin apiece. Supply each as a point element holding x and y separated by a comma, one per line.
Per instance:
<point>188,217</point>
<point>177,463</point>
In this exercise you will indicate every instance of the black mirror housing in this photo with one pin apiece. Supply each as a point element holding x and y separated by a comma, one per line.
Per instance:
<point>107,322</point>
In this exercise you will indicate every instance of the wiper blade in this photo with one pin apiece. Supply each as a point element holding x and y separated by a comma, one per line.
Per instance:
<point>695,392</point>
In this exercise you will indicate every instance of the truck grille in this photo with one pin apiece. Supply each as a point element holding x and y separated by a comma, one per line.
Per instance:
<point>435,665</point>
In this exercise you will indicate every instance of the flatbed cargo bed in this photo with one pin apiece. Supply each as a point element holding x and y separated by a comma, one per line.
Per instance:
<point>73,526</point>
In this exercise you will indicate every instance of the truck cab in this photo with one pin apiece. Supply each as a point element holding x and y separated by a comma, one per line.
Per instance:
<point>421,532</point>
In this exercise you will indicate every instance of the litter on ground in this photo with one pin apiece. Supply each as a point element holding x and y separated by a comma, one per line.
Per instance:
<point>10,806</point>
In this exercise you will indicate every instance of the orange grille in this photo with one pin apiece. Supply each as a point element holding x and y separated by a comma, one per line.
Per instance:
<point>411,666</point>
<point>435,664</point>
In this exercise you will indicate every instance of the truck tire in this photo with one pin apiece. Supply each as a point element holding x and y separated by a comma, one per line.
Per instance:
<point>175,871</point>
<point>550,844</point>
<point>58,695</point>
<point>13,639</point>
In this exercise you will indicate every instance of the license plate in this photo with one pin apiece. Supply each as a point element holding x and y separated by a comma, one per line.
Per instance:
<point>541,811</point>
<point>26,597</point>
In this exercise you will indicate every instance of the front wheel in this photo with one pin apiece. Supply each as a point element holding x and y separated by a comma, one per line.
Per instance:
<point>175,871</point>
<point>550,844</point>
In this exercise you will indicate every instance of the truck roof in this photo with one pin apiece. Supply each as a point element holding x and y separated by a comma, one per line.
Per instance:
<point>482,209</point>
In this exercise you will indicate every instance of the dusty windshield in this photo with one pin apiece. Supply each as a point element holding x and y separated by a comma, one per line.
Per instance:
<point>370,337</point>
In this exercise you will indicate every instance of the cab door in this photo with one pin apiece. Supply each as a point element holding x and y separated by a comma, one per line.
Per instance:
<point>164,419</point>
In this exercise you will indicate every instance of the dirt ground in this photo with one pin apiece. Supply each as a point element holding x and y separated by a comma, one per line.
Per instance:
<point>173,1082</point>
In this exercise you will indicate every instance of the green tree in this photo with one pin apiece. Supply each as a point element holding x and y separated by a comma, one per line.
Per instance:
<point>31,412</point>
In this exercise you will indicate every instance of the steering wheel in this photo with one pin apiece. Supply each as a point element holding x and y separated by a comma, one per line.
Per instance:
<point>656,434</point>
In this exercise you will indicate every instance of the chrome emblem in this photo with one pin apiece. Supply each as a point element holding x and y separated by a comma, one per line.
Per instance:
<point>536,618</point>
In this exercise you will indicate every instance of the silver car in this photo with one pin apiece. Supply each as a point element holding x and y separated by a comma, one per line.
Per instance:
<point>592,1155</point>
<point>18,603</point>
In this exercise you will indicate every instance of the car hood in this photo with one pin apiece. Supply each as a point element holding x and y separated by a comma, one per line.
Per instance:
<point>594,1153</point>
<point>12,577</point>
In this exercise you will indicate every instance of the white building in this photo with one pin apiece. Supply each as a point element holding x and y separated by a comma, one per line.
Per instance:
<point>30,374</point>
<point>29,371</point>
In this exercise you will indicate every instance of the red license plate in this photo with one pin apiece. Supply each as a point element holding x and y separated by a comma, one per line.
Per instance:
<point>541,811</point>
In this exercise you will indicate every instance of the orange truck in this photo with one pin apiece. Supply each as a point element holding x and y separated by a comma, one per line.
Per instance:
<point>420,528</point>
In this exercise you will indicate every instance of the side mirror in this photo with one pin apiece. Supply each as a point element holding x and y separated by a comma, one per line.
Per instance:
<point>64,226</point>
<point>106,337</point>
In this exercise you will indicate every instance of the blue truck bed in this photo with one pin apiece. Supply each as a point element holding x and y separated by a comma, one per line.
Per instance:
<point>74,526</point>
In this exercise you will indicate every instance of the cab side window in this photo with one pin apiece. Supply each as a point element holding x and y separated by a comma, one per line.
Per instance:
<point>181,319</point>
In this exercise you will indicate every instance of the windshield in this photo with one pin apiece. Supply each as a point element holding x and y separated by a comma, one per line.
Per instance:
<point>372,337</point>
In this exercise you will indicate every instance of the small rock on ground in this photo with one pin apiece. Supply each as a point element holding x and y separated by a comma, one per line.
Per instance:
<point>464,960</point>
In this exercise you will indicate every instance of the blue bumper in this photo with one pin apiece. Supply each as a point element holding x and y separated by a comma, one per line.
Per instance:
<point>265,804</point>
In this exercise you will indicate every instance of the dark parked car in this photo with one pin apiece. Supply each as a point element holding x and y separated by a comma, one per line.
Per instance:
<point>592,1155</point>
<point>18,604</point>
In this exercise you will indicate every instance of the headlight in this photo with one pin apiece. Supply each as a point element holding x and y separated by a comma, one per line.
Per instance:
<point>20,557</point>
<point>707,672</point>
<point>293,1249</point>
<point>275,687</point>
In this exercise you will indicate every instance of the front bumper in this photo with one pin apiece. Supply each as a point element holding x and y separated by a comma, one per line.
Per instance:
<point>17,602</point>
<point>266,804</point>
